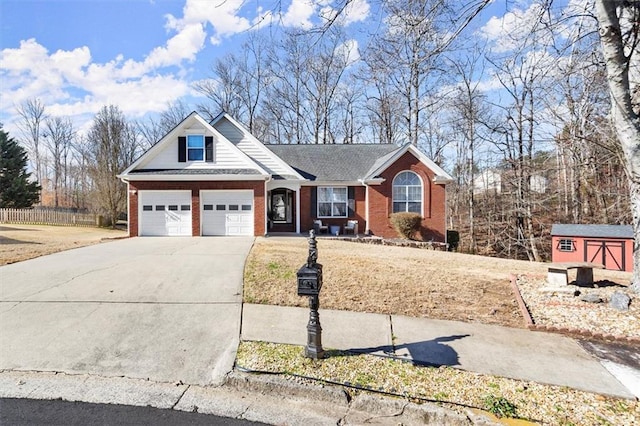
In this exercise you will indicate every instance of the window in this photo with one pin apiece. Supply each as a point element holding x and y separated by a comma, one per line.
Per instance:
<point>147,208</point>
<point>246,207</point>
<point>185,207</point>
<point>159,208</point>
<point>407,193</point>
<point>208,207</point>
<point>173,207</point>
<point>195,147</point>
<point>332,202</point>
<point>233,207</point>
<point>566,245</point>
<point>221,207</point>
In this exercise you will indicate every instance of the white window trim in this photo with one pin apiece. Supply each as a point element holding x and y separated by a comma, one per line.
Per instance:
<point>421,191</point>
<point>346,202</point>
<point>571,243</point>
<point>204,147</point>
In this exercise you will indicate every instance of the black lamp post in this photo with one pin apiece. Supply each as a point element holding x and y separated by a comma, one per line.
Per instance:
<point>309,284</point>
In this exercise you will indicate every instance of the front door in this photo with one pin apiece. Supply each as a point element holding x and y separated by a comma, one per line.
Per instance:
<point>281,210</point>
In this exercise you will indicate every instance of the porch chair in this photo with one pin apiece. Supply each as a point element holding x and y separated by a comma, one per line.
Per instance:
<point>319,227</point>
<point>351,226</point>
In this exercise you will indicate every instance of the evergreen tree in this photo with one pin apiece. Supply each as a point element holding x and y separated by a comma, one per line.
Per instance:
<point>16,191</point>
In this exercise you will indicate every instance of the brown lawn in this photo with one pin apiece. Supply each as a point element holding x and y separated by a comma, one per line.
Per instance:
<point>22,242</point>
<point>392,280</point>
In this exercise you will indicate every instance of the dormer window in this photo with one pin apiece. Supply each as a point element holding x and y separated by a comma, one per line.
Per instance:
<point>195,147</point>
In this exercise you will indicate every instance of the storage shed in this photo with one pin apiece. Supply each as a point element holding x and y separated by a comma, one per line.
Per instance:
<point>610,245</point>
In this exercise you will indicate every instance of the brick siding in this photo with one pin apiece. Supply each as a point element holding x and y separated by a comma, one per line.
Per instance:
<point>195,187</point>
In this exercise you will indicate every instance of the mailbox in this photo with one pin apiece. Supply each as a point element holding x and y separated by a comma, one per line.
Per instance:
<point>310,280</point>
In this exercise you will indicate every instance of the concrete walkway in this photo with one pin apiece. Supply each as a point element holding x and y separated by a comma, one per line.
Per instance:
<point>515,353</point>
<point>162,309</point>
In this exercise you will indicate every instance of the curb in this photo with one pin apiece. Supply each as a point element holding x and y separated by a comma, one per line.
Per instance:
<point>575,333</point>
<point>361,406</point>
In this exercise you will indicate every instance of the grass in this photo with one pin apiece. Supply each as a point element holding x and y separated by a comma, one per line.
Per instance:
<point>456,389</point>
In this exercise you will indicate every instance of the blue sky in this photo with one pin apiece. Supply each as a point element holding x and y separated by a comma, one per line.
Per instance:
<point>78,55</point>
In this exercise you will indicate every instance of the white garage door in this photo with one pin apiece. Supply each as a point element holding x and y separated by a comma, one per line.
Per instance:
<point>165,213</point>
<point>227,212</point>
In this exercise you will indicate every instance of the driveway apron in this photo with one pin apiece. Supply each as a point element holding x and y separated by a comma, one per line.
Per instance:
<point>157,308</point>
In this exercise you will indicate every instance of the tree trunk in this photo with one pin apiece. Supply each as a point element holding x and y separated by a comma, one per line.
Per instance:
<point>625,119</point>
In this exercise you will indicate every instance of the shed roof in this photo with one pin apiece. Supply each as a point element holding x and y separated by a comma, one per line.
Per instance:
<point>592,231</point>
<point>328,162</point>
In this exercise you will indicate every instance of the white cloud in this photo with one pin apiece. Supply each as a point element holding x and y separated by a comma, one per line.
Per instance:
<point>183,46</point>
<point>349,50</point>
<point>299,14</point>
<point>355,11</point>
<point>507,32</point>
<point>224,17</point>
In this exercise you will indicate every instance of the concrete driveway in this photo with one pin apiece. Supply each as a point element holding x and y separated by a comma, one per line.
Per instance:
<point>164,309</point>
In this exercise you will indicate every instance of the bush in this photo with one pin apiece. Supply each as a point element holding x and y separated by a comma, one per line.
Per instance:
<point>406,224</point>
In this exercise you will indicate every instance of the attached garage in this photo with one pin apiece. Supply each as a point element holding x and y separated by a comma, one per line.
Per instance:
<point>227,212</point>
<point>165,213</point>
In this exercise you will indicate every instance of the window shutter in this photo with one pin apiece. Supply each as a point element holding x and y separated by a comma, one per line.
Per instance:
<point>182,149</point>
<point>351,202</point>
<point>208,149</point>
<point>314,202</point>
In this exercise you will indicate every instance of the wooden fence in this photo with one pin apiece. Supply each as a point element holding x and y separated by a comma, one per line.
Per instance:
<point>49,217</point>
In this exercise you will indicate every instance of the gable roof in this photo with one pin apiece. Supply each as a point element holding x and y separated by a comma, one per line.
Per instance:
<point>338,163</point>
<point>349,162</point>
<point>593,231</point>
<point>140,168</point>
<point>250,145</point>
<point>441,177</point>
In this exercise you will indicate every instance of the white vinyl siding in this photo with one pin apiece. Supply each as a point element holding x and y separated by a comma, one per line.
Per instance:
<point>256,151</point>
<point>224,154</point>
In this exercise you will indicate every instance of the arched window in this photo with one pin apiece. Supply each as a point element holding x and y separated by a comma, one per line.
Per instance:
<point>407,193</point>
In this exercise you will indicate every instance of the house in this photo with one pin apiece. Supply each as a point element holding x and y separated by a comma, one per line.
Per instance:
<point>217,179</point>
<point>491,181</point>
<point>610,245</point>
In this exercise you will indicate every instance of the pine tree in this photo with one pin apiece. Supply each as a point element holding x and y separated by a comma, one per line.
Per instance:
<point>16,190</point>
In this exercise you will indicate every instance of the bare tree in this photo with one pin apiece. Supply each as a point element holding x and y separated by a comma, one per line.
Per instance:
<point>152,129</point>
<point>222,88</point>
<point>58,137</point>
<point>32,113</point>
<point>110,146</point>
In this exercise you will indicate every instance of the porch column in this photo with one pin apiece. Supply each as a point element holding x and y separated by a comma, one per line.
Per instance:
<point>298,210</point>
<point>367,231</point>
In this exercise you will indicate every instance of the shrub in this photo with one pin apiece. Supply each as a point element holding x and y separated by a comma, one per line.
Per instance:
<point>406,224</point>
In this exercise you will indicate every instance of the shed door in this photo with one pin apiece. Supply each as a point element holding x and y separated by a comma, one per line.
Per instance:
<point>227,212</point>
<point>610,253</point>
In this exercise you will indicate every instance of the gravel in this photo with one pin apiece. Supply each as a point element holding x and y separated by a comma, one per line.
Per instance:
<point>566,308</point>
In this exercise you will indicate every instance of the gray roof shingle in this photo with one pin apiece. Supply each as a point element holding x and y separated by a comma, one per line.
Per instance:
<point>340,162</point>
<point>593,231</point>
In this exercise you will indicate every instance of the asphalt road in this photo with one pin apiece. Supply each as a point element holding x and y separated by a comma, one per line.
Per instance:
<point>33,412</point>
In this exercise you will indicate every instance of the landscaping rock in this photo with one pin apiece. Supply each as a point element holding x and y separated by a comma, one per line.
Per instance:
<point>620,301</point>
<point>591,298</point>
